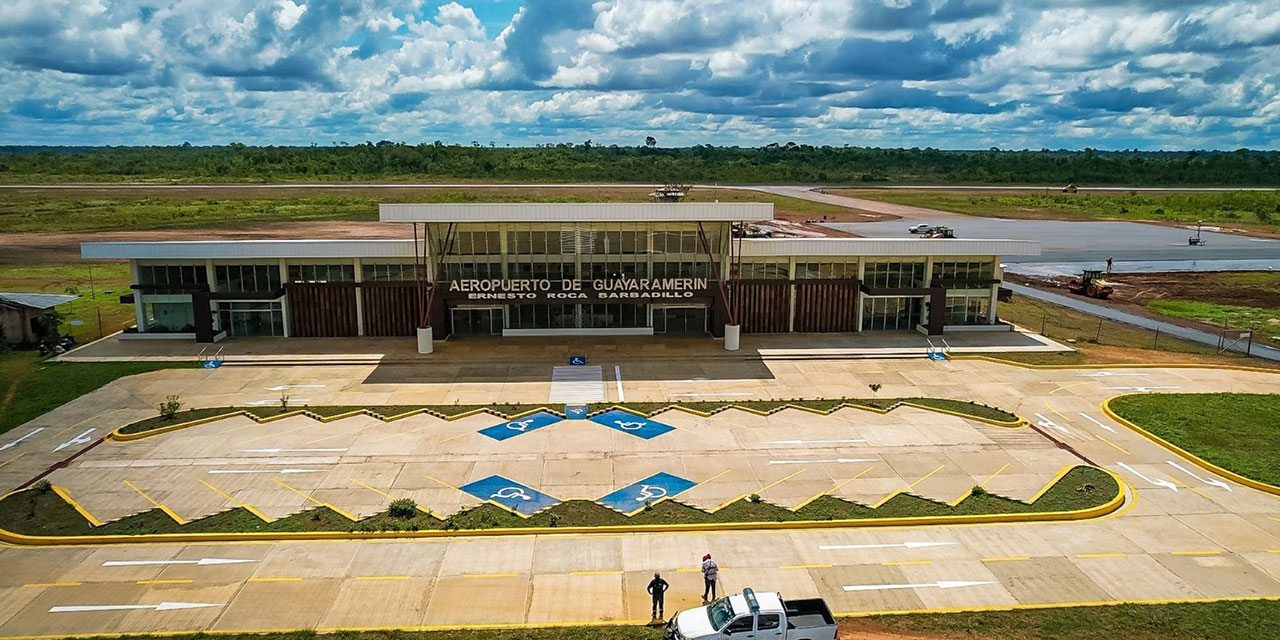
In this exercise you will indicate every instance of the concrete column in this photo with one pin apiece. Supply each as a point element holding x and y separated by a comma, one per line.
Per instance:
<point>791,297</point>
<point>284,300</point>
<point>732,334</point>
<point>862,272</point>
<point>139,309</point>
<point>998,274</point>
<point>359,299</point>
<point>211,275</point>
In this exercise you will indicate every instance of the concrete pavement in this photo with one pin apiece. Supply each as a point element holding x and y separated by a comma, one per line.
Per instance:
<point>1191,541</point>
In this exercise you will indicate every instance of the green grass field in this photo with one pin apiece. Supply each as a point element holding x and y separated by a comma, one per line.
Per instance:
<point>1265,321</point>
<point>55,210</point>
<point>1240,208</point>
<point>31,386</point>
<point>98,285</point>
<point>1237,431</point>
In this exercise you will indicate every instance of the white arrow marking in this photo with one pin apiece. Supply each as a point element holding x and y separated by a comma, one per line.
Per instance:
<point>1208,481</point>
<point>163,606</point>
<point>1045,422</point>
<point>891,545</point>
<point>13,444</point>
<point>835,460</point>
<point>1107,374</point>
<point>941,584</point>
<point>202,562</point>
<point>1090,419</point>
<point>264,471</point>
<point>1139,389</point>
<point>814,441</point>
<point>80,439</point>
<point>1158,483</point>
<point>295,386</point>
<point>292,450</point>
<point>264,403</point>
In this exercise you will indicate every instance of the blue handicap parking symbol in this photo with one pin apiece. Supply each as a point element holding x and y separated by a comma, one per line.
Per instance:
<point>517,426</point>
<point>577,360</point>
<point>632,424</point>
<point>575,412</point>
<point>510,494</point>
<point>632,498</point>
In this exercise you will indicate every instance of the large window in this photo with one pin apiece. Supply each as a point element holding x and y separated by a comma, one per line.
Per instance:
<point>169,317</point>
<point>473,270</point>
<point>894,275</point>
<point>776,269</point>
<point>173,275</point>
<point>897,313</point>
<point>972,270</point>
<point>388,272</point>
<point>322,273</point>
<point>248,278</point>
<point>244,319</point>
<point>826,270</point>
<point>477,243</point>
<point>967,309</point>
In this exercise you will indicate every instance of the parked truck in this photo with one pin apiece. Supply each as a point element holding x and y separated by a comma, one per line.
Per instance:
<point>760,616</point>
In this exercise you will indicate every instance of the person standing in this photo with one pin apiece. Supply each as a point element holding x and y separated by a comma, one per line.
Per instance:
<point>1109,261</point>
<point>710,573</point>
<point>657,587</point>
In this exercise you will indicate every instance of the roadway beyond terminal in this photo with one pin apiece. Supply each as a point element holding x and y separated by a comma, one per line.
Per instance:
<point>1183,534</point>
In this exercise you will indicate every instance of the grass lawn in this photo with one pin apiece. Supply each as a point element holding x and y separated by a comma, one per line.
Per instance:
<point>98,285</point>
<point>1265,321</point>
<point>1244,620</point>
<point>1239,432</point>
<point>88,210</point>
<point>1227,208</point>
<point>31,386</point>
<point>1116,344</point>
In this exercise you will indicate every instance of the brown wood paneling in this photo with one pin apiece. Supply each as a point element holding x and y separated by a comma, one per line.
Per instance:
<point>825,306</point>
<point>763,306</point>
<point>390,309</point>
<point>322,310</point>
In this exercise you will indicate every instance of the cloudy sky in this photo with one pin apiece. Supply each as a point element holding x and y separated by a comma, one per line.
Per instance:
<point>1110,74</point>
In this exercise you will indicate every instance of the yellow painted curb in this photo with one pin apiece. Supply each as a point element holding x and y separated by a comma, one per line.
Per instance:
<point>1201,462</point>
<point>1046,605</point>
<point>1045,516</point>
<point>1125,365</point>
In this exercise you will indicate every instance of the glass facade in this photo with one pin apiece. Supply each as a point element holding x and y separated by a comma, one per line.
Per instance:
<point>169,317</point>
<point>248,319</point>
<point>826,270</point>
<point>894,275</point>
<point>893,313</point>
<point>967,310</point>
<point>970,270</point>
<point>248,278</point>
<point>175,275</point>
<point>393,272</point>
<point>314,273</point>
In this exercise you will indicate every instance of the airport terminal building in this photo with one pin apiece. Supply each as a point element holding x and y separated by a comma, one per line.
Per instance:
<point>467,270</point>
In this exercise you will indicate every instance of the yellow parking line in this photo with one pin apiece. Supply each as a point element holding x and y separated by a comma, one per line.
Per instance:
<point>595,573</point>
<point>1068,386</point>
<point>377,491</point>
<point>778,482</point>
<point>65,495</point>
<point>318,502</point>
<point>1190,488</point>
<point>832,490</point>
<point>903,563</point>
<point>1273,550</point>
<point>1122,449</point>
<point>282,579</point>
<point>992,476</point>
<point>403,433</point>
<point>1197,553</point>
<point>175,581</point>
<point>41,585</point>
<point>490,575</point>
<point>715,476</point>
<point>245,505</point>
<point>805,566</point>
<point>1007,559</point>
<point>1060,414</point>
<point>452,438</point>
<point>926,477</point>
<point>12,459</point>
<point>443,483</point>
<point>1099,555</point>
<point>319,440</point>
<point>384,577</point>
<point>176,518</point>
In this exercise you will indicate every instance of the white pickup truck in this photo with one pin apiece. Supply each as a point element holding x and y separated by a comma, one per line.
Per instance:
<point>759,616</point>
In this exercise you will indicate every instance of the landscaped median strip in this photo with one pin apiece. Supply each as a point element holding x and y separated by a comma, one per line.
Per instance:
<point>194,417</point>
<point>1077,493</point>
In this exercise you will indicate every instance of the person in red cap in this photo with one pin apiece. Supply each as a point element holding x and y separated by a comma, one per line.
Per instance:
<point>710,573</point>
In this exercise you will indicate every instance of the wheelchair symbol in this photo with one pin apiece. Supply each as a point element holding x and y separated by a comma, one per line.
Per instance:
<point>520,425</point>
<point>511,493</point>
<point>630,426</point>
<point>649,492</point>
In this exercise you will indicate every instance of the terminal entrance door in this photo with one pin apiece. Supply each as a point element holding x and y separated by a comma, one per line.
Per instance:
<point>473,321</point>
<point>681,321</point>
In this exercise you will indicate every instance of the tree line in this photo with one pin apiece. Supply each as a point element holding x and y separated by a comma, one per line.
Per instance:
<point>647,163</point>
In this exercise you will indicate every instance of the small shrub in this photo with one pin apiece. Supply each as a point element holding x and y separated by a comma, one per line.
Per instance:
<point>754,498</point>
<point>874,386</point>
<point>170,407</point>
<point>284,401</point>
<point>648,505</point>
<point>315,515</point>
<point>554,520</point>
<point>979,492</point>
<point>42,487</point>
<point>403,508</point>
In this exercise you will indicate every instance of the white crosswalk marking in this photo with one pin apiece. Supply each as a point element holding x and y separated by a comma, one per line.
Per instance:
<point>577,384</point>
